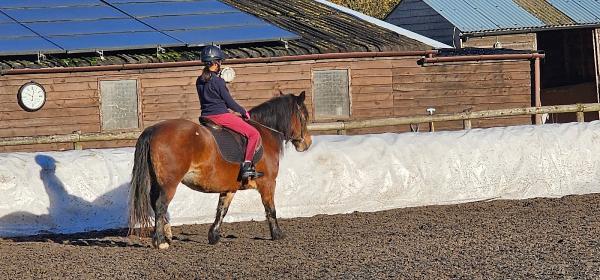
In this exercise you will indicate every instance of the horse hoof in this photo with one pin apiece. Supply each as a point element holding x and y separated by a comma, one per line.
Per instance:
<point>277,235</point>
<point>163,246</point>
<point>213,240</point>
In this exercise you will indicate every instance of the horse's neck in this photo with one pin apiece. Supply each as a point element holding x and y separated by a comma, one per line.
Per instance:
<point>270,140</point>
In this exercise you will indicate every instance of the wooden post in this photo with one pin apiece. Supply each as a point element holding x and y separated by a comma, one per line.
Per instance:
<point>537,88</point>
<point>580,117</point>
<point>467,122</point>
<point>431,111</point>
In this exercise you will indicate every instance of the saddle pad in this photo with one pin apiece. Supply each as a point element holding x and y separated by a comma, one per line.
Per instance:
<point>232,145</point>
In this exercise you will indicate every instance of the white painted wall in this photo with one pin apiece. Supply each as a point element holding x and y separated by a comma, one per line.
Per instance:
<point>74,191</point>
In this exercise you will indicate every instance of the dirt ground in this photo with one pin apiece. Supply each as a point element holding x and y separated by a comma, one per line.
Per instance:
<point>526,239</point>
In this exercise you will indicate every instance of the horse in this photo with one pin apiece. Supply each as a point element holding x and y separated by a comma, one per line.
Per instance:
<point>178,150</point>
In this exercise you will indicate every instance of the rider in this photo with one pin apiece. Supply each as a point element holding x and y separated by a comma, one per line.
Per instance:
<point>215,101</point>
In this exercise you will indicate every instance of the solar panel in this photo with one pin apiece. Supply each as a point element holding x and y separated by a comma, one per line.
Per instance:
<point>90,25</point>
<point>15,39</point>
<point>140,10</point>
<point>202,22</point>
<point>89,28</point>
<point>27,45</point>
<point>45,3</point>
<point>13,29</point>
<point>227,35</point>
<point>113,41</point>
<point>63,13</point>
<point>5,19</point>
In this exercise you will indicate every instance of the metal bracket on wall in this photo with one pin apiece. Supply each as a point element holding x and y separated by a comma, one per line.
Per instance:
<point>160,50</point>
<point>40,57</point>
<point>101,54</point>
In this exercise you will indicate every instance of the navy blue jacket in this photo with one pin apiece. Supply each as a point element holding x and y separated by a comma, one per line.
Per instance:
<point>215,98</point>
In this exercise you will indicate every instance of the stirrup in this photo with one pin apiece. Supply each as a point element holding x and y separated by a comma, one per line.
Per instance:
<point>248,172</point>
<point>251,174</point>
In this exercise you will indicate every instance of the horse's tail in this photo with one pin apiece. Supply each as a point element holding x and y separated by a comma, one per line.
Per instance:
<point>140,210</point>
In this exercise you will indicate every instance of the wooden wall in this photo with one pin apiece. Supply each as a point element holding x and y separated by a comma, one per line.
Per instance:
<point>525,41</point>
<point>383,87</point>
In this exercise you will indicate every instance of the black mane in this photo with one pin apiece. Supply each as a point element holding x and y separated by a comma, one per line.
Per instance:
<point>277,114</point>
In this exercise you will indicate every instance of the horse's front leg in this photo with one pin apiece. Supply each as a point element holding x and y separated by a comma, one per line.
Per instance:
<point>267,193</point>
<point>222,207</point>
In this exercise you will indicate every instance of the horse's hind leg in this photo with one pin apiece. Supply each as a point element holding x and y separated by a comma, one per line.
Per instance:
<point>267,192</point>
<point>160,199</point>
<point>222,207</point>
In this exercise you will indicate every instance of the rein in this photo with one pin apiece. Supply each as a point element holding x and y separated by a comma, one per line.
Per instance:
<point>301,139</point>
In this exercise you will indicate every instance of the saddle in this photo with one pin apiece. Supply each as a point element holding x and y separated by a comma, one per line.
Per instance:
<point>232,145</point>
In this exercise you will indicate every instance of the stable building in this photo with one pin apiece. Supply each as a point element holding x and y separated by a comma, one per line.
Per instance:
<point>121,65</point>
<point>566,31</point>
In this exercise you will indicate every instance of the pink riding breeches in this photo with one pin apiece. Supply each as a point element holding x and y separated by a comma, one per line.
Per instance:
<point>238,125</point>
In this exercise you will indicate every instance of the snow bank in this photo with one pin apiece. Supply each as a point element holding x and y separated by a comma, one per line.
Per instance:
<point>73,191</point>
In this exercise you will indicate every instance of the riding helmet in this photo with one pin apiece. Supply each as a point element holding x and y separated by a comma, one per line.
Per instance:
<point>211,53</point>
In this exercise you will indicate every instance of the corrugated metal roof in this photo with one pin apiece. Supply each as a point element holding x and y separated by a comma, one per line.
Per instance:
<point>581,11</point>
<point>477,15</point>
<point>547,13</point>
<point>471,16</point>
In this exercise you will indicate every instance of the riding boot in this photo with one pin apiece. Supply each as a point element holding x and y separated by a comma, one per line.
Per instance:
<point>247,171</point>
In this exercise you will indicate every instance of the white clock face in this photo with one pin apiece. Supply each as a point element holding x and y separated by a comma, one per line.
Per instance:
<point>227,74</point>
<point>32,96</point>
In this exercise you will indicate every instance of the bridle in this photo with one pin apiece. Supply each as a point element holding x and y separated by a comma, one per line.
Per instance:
<point>293,139</point>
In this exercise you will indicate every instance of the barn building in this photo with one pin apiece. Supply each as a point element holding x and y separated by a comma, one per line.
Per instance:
<point>351,66</point>
<point>566,31</point>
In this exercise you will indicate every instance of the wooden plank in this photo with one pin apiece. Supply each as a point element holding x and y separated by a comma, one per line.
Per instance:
<point>368,81</point>
<point>164,90</point>
<point>359,89</point>
<point>108,144</point>
<point>171,82</point>
<point>157,99</point>
<point>372,97</point>
<point>49,130</point>
<point>52,121</point>
<point>373,105</point>
<point>271,85</point>
<point>449,93</point>
<point>460,85</point>
<point>37,148</point>
<point>165,107</point>
<point>466,100</point>
<point>451,77</point>
<point>49,113</point>
<point>269,77</point>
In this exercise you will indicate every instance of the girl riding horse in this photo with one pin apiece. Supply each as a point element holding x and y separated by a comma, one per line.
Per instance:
<point>181,151</point>
<point>215,101</point>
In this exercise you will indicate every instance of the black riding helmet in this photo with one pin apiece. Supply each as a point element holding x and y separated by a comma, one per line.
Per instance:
<point>211,53</point>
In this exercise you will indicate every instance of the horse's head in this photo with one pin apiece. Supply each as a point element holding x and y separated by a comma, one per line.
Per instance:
<point>287,117</point>
<point>300,137</point>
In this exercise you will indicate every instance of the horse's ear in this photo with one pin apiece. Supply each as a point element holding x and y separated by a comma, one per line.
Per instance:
<point>280,93</point>
<point>301,97</point>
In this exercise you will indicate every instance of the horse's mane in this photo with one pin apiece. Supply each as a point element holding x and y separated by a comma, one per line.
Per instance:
<point>277,114</point>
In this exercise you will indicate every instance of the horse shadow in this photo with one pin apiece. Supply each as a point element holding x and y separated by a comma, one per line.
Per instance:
<point>68,211</point>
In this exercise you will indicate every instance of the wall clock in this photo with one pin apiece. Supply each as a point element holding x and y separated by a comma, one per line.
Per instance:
<point>228,74</point>
<point>31,96</point>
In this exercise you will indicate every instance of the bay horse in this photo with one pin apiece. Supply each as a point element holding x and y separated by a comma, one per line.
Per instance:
<point>175,151</point>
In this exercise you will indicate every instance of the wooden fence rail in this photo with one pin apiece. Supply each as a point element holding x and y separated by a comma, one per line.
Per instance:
<point>77,138</point>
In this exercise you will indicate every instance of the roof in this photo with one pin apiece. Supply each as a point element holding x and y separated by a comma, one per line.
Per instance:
<point>477,16</point>
<point>322,28</point>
